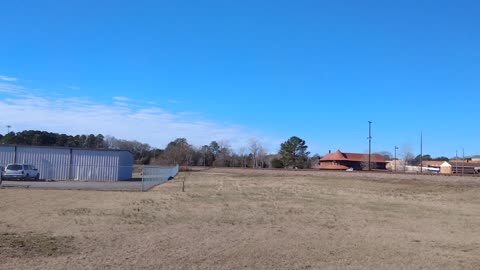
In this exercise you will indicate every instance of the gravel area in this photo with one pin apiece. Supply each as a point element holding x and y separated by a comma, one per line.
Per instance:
<point>75,185</point>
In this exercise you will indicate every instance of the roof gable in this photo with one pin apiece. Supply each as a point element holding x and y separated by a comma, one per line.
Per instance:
<point>338,156</point>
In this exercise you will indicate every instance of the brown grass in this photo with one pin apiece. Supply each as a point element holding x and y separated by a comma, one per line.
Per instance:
<point>249,219</point>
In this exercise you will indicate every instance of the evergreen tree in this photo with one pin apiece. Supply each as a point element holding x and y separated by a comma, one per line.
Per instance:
<point>294,153</point>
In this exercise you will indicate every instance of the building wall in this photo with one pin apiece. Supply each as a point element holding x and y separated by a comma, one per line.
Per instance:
<point>446,169</point>
<point>58,163</point>
<point>125,169</point>
<point>52,163</point>
<point>7,155</point>
<point>94,165</point>
<point>356,165</point>
<point>101,165</point>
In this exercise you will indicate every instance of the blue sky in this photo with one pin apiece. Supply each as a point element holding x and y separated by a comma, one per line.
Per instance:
<point>235,70</point>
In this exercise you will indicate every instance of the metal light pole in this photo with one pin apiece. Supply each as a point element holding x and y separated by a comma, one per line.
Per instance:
<point>8,128</point>
<point>369,144</point>
<point>395,159</point>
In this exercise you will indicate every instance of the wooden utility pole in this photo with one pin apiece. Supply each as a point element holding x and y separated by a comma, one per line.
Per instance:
<point>369,145</point>
<point>421,152</point>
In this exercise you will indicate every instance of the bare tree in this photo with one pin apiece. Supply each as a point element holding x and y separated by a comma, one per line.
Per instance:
<point>242,152</point>
<point>262,155</point>
<point>224,154</point>
<point>315,161</point>
<point>140,151</point>
<point>407,155</point>
<point>254,147</point>
<point>179,152</point>
<point>385,154</point>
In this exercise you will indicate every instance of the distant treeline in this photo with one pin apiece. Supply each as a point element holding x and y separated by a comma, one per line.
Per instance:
<point>293,152</point>
<point>141,151</point>
<point>44,138</point>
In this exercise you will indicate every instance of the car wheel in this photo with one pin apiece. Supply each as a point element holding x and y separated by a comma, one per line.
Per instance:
<point>37,177</point>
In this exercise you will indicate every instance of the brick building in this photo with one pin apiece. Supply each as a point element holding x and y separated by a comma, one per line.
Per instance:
<point>343,161</point>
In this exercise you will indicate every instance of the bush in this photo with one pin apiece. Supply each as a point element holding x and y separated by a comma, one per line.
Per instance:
<point>277,163</point>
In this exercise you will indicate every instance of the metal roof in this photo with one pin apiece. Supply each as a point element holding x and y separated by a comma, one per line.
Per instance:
<point>338,156</point>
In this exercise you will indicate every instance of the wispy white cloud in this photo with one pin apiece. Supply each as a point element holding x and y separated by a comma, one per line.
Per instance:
<point>120,98</point>
<point>146,123</point>
<point>10,88</point>
<point>123,104</point>
<point>173,101</point>
<point>7,79</point>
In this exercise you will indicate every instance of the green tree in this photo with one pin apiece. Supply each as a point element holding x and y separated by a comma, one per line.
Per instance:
<point>294,153</point>
<point>424,158</point>
<point>214,148</point>
<point>179,152</point>
<point>99,141</point>
<point>9,138</point>
<point>277,163</point>
<point>62,140</point>
<point>90,142</point>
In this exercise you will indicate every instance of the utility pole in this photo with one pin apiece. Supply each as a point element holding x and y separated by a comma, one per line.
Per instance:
<point>421,152</point>
<point>8,128</point>
<point>395,159</point>
<point>369,145</point>
<point>463,160</point>
<point>456,162</point>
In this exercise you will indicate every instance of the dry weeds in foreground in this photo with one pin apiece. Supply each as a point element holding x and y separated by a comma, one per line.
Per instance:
<point>249,219</point>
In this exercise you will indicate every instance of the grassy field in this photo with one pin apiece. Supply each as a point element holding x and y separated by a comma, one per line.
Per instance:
<point>249,219</point>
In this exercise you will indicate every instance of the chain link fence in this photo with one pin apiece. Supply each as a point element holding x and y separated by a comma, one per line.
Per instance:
<point>155,175</point>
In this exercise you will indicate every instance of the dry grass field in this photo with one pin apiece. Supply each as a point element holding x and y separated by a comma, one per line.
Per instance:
<point>249,219</point>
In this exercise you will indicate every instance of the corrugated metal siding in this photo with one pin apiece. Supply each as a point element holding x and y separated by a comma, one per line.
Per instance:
<point>52,163</point>
<point>7,155</point>
<point>97,165</point>
<point>125,170</point>
<point>72,164</point>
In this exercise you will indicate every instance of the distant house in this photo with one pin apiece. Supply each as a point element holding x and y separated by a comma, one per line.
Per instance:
<point>466,166</point>
<point>343,161</point>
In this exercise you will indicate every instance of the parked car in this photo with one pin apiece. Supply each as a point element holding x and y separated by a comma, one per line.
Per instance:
<point>21,172</point>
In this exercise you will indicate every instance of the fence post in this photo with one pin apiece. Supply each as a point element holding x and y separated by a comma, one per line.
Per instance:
<point>142,188</point>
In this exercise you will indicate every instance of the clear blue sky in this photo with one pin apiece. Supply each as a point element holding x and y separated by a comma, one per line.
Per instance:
<point>235,70</point>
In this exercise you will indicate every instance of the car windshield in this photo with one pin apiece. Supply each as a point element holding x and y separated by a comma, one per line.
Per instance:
<point>14,167</point>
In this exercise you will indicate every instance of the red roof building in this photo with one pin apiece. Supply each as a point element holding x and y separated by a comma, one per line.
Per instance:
<point>343,161</point>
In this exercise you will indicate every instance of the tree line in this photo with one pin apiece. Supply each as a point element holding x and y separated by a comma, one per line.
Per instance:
<point>44,138</point>
<point>293,152</point>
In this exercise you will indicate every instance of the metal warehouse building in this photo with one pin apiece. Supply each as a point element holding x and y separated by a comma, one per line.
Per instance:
<point>60,163</point>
